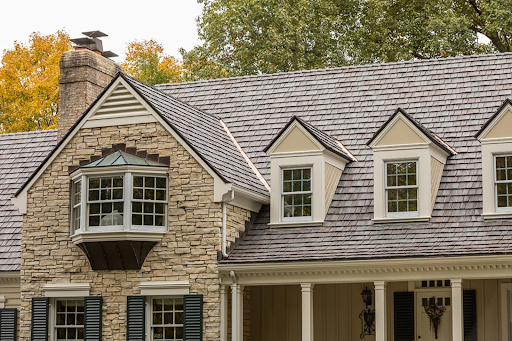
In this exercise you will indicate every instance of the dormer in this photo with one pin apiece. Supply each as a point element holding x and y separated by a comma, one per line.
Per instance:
<point>496,139</point>
<point>408,165</point>
<point>306,166</point>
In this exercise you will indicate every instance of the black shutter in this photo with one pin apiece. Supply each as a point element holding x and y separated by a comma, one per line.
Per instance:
<point>193,324</point>
<point>404,316</point>
<point>469,314</point>
<point>136,318</point>
<point>8,324</point>
<point>93,318</point>
<point>39,319</point>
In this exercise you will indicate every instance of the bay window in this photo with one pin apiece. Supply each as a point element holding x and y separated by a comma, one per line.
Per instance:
<point>120,201</point>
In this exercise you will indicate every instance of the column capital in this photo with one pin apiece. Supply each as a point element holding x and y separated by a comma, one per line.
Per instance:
<point>380,285</point>
<point>456,283</point>
<point>306,287</point>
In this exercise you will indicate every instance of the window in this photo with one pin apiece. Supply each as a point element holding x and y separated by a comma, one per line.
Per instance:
<point>401,187</point>
<point>167,319</point>
<point>106,201</point>
<point>149,197</point>
<point>76,201</point>
<point>142,198</point>
<point>297,193</point>
<point>69,320</point>
<point>503,183</point>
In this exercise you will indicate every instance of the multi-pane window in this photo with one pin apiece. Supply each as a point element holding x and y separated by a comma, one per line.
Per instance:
<point>106,202</point>
<point>167,319</point>
<point>76,201</point>
<point>149,200</point>
<point>401,187</point>
<point>504,181</point>
<point>297,192</point>
<point>69,320</point>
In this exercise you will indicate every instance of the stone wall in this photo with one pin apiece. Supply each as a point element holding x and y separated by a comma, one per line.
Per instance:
<point>187,252</point>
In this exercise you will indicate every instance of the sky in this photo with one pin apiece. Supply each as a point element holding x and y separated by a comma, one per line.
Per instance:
<point>171,23</point>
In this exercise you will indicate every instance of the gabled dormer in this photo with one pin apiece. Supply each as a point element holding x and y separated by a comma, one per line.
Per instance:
<point>496,139</point>
<point>306,166</point>
<point>408,164</point>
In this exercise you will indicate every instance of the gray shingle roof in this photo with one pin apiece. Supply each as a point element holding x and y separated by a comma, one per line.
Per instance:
<point>20,155</point>
<point>205,133</point>
<point>452,97</point>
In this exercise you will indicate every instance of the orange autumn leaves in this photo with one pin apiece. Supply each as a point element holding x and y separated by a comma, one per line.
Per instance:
<point>29,83</point>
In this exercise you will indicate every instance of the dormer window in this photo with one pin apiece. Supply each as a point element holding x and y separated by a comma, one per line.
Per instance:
<point>402,188</point>
<point>496,139</point>
<point>408,166</point>
<point>503,183</point>
<point>297,194</point>
<point>306,166</point>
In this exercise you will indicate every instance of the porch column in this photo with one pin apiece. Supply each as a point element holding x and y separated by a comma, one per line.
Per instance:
<point>237,308</point>
<point>381,333</point>
<point>457,318</point>
<point>307,311</point>
<point>223,313</point>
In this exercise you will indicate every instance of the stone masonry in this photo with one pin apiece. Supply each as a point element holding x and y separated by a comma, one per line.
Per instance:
<point>83,75</point>
<point>187,252</point>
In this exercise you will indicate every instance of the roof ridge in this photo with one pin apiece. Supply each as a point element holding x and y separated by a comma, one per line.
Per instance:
<point>347,67</point>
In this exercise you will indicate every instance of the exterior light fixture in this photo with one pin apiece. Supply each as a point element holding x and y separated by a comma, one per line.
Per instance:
<point>367,316</point>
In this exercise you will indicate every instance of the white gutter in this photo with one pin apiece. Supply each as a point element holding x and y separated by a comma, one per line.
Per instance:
<point>224,224</point>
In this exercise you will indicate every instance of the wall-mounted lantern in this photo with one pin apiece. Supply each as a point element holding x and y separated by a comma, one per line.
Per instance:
<point>367,316</point>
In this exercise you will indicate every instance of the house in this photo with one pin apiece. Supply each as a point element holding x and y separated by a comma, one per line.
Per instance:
<point>336,204</point>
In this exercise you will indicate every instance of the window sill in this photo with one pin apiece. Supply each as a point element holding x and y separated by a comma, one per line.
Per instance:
<point>146,236</point>
<point>400,220</point>
<point>297,224</point>
<point>498,215</point>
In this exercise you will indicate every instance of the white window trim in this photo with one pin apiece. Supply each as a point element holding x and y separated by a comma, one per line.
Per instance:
<point>165,288</point>
<point>490,149</point>
<point>386,188</point>
<point>496,182</point>
<point>282,193</point>
<point>127,173</point>
<point>2,301</point>
<point>149,312</point>
<point>52,311</point>
<point>67,290</point>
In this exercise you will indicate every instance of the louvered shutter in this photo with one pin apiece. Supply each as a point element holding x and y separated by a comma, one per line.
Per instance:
<point>404,316</point>
<point>39,319</point>
<point>93,318</point>
<point>8,324</point>
<point>469,314</point>
<point>193,324</point>
<point>136,318</point>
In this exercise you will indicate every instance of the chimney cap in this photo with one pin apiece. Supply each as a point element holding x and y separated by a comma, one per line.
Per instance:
<point>92,42</point>
<point>95,34</point>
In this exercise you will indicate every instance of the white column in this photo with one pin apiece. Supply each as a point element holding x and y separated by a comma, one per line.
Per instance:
<point>240,311</point>
<point>223,313</point>
<point>307,311</point>
<point>457,318</point>
<point>381,333</point>
<point>234,312</point>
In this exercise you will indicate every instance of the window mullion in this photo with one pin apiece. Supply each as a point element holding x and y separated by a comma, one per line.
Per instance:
<point>127,195</point>
<point>83,205</point>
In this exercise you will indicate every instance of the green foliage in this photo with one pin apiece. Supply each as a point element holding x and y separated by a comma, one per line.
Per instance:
<point>244,37</point>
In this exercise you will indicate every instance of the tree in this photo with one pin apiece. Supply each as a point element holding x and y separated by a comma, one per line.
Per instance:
<point>29,83</point>
<point>147,62</point>
<point>245,37</point>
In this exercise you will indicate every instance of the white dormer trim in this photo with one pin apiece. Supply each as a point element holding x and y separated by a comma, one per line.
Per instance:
<point>428,156</point>
<point>316,157</point>
<point>483,135</point>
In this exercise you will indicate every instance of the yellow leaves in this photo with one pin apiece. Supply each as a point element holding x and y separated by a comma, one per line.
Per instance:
<point>146,61</point>
<point>29,83</point>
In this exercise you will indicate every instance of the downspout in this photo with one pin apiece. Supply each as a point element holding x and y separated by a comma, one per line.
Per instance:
<point>224,224</point>
<point>234,307</point>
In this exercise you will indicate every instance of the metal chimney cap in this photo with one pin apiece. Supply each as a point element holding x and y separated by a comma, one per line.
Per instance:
<point>95,34</point>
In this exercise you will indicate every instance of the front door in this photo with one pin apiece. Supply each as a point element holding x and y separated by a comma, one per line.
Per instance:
<point>424,332</point>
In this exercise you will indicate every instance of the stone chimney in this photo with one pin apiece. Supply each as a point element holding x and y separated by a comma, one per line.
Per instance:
<point>83,75</point>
